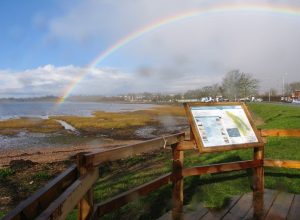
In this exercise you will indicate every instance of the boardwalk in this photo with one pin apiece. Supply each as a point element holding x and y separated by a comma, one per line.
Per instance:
<point>274,205</point>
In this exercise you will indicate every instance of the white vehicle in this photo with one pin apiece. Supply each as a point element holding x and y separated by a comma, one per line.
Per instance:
<point>296,101</point>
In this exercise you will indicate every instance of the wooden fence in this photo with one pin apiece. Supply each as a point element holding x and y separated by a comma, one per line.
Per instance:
<point>74,187</point>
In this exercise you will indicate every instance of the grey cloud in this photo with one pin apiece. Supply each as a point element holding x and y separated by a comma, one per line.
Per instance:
<point>187,54</point>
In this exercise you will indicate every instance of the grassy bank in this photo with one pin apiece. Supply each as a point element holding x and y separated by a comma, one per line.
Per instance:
<point>106,121</point>
<point>276,115</point>
<point>14,126</point>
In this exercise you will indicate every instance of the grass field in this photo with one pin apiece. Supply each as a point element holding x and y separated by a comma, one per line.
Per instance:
<point>213,190</point>
<point>276,115</point>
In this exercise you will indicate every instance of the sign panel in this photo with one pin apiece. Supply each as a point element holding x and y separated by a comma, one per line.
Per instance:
<point>218,126</point>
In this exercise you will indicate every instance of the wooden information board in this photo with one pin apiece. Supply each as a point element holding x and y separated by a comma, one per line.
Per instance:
<point>222,126</point>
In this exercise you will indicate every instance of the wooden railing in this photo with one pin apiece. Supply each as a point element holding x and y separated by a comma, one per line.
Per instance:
<point>294,164</point>
<point>74,187</point>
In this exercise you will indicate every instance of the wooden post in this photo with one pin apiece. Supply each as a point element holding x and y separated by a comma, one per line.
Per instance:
<point>177,179</point>
<point>258,175</point>
<point>258,185</point>
<point>258,205</point>
<point>85,206</point>
<point>192,137</point>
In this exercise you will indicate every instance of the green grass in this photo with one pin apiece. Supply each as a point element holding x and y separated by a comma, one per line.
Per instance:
<point>41,175</point>
<point>6,172</point>
<point>214,190</point>
<point>2,214</point>
<point>276,115</point>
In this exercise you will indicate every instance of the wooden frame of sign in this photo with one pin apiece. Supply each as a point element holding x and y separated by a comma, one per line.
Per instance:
<point>222,126</point>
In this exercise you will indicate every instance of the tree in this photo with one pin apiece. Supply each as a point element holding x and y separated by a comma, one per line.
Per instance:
<point>238,84</point>
<point>248,85</point>
<point>230,84</point>
<point>292,87</point>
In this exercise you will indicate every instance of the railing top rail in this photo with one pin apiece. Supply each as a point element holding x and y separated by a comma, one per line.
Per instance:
<point>280,132</point>
<point>96,158</point>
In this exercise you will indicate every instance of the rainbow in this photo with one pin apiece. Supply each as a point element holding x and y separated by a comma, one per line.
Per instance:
<point>267,8</point>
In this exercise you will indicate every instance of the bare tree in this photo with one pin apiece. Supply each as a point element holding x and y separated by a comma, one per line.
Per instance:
<point>248,85</point>
<point>237,84</point>
<point>292,87</point>
<point>230,84</point>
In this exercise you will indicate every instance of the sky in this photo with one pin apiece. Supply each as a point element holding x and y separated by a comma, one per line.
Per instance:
<point>48,47</point>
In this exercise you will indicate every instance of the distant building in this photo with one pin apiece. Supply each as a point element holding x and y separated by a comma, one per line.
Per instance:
<point>296,95</point>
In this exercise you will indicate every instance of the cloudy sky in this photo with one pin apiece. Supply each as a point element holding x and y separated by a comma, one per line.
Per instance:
<point>46,45</point>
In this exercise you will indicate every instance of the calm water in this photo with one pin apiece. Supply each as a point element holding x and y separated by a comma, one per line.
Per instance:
<point>44,109</point>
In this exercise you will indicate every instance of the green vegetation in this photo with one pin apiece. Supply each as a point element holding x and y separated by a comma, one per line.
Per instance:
<point>214,190</point>
<point>5,172</point>
<point>2,214</point>
<point>13,126</point>
<point>41,175</point>
<point>276,115</point>
<point>106,121</point>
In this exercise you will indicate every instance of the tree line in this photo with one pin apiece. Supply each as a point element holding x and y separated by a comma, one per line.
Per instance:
<point>234,85</point>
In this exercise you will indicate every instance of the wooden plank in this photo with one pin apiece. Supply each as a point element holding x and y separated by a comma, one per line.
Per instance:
<point>294,213</point>
<point>167,216</point>
<point>95,159</point>
<point>222,167</point>
<point>218,214</point>
<point>35,204</point>
<point>240,209</point>
<point>65,203</point>
<point>186,145</point>
<point>282,163</point>
<point>198,213</point>
<point>267,200</point>
<point>122,199</point>
<point>281,132</point>
<point>280,207</point>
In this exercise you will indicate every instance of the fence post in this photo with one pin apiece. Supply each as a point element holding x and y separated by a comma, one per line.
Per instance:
<point>258,175</point>
<point>86,204</point>
<point>177,179</point>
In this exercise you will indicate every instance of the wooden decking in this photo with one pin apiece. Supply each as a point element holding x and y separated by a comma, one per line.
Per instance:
<point>271,205</point>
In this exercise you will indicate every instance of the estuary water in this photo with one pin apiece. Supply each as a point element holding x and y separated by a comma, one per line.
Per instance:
<point>9,110</point>
<point>45,109</point>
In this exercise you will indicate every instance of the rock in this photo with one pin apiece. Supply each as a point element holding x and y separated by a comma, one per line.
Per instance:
<point>21,164</point>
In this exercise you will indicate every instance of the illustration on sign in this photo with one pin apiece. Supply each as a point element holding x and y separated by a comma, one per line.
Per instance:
<point>223,125</point>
